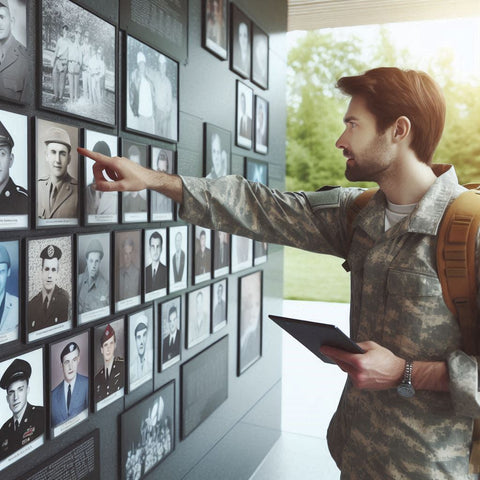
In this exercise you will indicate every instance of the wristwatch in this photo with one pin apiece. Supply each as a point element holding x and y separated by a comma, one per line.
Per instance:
<point>405,389</point>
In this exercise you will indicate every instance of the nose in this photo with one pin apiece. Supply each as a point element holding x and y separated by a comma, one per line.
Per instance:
<point>341,143</point>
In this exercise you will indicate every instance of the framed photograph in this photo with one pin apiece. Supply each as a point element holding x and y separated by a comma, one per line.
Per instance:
<point>261,125</point>
<point>178,256</point>
<point>221,254</point>
<point>151,100</point>
<point>148,433</point>
<point>69,382</point>
<point>260,57</point>
<point>49,286</point>
<point>14,173</point>
<point>156,270</point>
<point>161,207</point>
<point>56,174</point>
<point>78,62</point>
<point>250,320</point>
<point>219,305</point>
<point>217,153</point>
<point>140,348</point>
<point>128,259</point>
<point>215,27</point>
<point>135,204</point>
<point>200,399</point>
<point>198,316</point>
<point>22,415</point>
<point>108,363</point>
<point>9,291</point>
<point>244,122</point>
<point>260,252</point>
<point>256,170</point>
<point>202,260</point>
<point>100,207</point>
<point>240,42</point>
<point>15,83</point>
<point>170,332</point>
<point>242,253</point>
<point>93,281</point>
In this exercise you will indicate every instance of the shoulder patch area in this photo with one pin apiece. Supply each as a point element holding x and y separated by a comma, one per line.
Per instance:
<point>325,197</point>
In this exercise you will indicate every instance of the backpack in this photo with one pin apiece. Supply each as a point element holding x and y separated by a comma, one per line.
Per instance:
<point>456,250</point>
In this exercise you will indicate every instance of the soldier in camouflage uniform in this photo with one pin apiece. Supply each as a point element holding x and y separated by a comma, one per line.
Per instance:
<point>397,312</point>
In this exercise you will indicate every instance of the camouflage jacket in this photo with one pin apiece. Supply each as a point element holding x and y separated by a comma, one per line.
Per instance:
<point>396,301</point>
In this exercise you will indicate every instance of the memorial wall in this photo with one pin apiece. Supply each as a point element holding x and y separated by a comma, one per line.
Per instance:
<point>132,344</point>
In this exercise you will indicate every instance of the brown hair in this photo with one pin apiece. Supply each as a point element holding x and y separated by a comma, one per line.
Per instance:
<point>391,93</point>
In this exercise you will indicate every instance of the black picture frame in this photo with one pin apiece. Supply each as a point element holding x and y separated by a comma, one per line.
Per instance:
<point>170,332</point>
<point>221,254</point>
<point>217,151</point>
<point>91,63</point>
<point>202,258</point>
<point>156,263</point>
<point>242,253</point>
<point>260,57</point>
<point>198,316</point>
<point>262,118</point>
<point>250,313</point>
<point>256,170</point>
<point>215,27</point>
<point>178,248</point>
<point>240,42</point>
<point>162,159</point>
<point>219,305</point>
<point>148,426</point>
<point>244,124</point>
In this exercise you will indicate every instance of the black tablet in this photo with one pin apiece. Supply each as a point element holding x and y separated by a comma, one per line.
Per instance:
<point>313,335</point>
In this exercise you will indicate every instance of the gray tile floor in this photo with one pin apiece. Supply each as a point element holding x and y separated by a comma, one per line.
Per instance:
<point>310,393</point>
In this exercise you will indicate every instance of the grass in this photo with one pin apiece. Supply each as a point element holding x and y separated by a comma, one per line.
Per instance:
<point>310,276</point>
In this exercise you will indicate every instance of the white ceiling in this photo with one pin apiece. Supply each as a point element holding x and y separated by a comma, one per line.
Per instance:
<point>314,14</point>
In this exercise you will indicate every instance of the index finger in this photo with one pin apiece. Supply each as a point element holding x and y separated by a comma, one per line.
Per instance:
<point>338,354</point>
<point>96,156</point>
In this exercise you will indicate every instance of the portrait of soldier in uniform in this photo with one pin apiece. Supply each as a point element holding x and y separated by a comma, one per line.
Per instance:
<point>140,348</point>
<point>27,421</point>
<point>156,272</point>
<point>14,78</point>
<point>9,307</point>
<point>170,314</point>
<point>127,271</point>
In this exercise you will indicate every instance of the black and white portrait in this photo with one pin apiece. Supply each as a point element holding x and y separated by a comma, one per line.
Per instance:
<point>100,207</point>
<point>250,321</point>
<point>260,56</point>
<point>219,305</point>
<point>49,286</point>
<point>198,316</point>
<point>244,119</point>
<point>240,46</point>
<point>93,277</point>
<point>69,382</point>
<point>135,204</point>
<point>261,125</point>
<point>15,82</point>
<point>148,433</point>
<point>215,27</point>
<point>161,207</point>
<point>9,291</point>
<point>14,166</point>
<point>221,254</point>
<point>22,414</point>
<point>217,151</point>
<point>78,62</point>
<point>152,92</point>
<point>260,252</point>
<point>108,363</point>
<point>178,257</point>
<point>57,174</point>
<point>202,261</point>
<point>242,253</point>
<point>140,348</point>
<point>170,332</point>
<point>156,270</point>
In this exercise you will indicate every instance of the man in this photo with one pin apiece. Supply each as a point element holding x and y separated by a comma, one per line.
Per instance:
<point>221,252</point>
<point>198,327</point>
<point>178,259</point>
<point>156,271</point>
<point>140,363</point>
<point>171,342</point>
<point>160,204</point>
<point>134,202</point>
<point>111,377</point>
<point>13,198</point>
<point>9,312</point>
<point>261,125</point>
<point>96,68</point>
<point>57,192</point>
<point>86,49</point>
<point>93,289</point>
<point>243,58</point>
<point>60,65</point>
<point>220,309</point>
<point>13,59</point>
<point>219,168</point>
<point>163,99</point>
<point>74,65</point>
<point>51,305</point>
<point>70,396</point>
<point>245,121</point>
<point>129,278</point>
<point>203,262</point>
<point>28,421</point>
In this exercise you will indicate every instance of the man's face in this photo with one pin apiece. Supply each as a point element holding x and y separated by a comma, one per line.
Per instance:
<point>4,274</point>
<point>6,22</point>
<point>141,341</point>
<point>6,161</point>
<point>58,158</point>
<point>70,365</point>
<point>217,154</point>
<point>108,349</point>
<point>49,273</point>
<point>93,264</point>
<point>368,153</point>
<point>155,249</point>
<point>243,37</point>
<point>17,393</point>
<point>172,322</point>
<point>127,255</point>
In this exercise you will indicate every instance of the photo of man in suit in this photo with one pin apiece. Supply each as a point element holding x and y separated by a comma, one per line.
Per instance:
<point>135,203</point>
<point>161,207</point>
<point>198,316</point>
<point>141,345</point>
<point>178,259</point>
<point>171,341</point>
<point>129,277</point>
<point>156,271</point>
<point>203,255</point>
<point>220,306</point>
<point>221,253</point>
<point>261,125</point>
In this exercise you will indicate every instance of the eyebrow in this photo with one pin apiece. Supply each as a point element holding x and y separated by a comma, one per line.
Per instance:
<point>350,118</point>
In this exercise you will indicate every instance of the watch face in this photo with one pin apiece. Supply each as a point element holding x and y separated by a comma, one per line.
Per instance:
<point>406,390</point>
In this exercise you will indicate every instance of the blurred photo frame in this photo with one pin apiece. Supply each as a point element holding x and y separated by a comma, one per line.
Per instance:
<point>202,259</point>
<point>221,254</point>
<point>219,305</point>
<point>242,253</point>
<point>261,125</point>
<point>240,42</point>
<point>178,258</point>
<point>170,332</point>
<point>260,57</point>
<point>215,32</point>
<point>10,272</point>
<point>162,208</point>
<point>198,316</point>
<point>244,116</point>
<point>256,170</point>
<point>217,151</point>
<point>156,263</point>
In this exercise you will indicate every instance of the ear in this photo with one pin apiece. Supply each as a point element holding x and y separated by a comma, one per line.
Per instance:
<point>401,128</point>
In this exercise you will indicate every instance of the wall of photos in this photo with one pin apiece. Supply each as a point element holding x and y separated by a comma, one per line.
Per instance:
<point>133,344</point>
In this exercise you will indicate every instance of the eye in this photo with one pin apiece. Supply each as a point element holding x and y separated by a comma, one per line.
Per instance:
<point>352,124</point>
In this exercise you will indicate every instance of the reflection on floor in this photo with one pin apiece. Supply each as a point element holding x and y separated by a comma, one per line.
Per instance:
<point>310,393</point>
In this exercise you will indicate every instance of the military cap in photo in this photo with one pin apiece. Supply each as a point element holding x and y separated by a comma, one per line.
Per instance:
<point>69,348</point>
<point>57,135</point>
<point>141,324</point>
<point>94,246</point>
<point>107,334</point>
<point>4,256</point>
<point>51,251</point>
<point>5,137</point>
<point>18,370</point>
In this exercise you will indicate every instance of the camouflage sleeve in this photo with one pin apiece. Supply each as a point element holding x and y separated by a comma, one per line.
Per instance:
<point>311,221</point>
